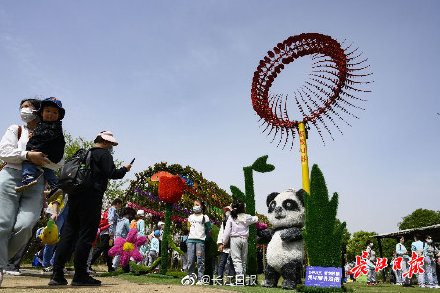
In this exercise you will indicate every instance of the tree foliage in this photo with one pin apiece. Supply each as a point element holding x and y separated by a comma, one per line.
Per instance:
<point>357,244</point>
<point>420,218</point>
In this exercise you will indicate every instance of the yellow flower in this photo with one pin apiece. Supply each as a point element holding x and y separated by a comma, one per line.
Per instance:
<point>128,246</point>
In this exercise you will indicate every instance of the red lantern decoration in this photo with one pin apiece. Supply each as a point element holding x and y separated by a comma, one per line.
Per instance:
<point>171,188</point>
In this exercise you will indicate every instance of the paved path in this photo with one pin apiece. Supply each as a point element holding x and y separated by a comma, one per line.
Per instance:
<point>34,281</point>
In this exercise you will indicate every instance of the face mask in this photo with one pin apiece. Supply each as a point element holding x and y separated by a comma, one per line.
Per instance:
<point>197,209</point>
<point>227,214</point>
<point>429,241</point>
<point>27,115</point>
<point>110,150</point>
<point>371,245</point>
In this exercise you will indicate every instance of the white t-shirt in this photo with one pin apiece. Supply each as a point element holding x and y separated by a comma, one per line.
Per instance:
<point>197,228</point>
<point>13,150</point>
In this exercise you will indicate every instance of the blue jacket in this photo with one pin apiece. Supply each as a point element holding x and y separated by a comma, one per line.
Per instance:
<point>122,228</point>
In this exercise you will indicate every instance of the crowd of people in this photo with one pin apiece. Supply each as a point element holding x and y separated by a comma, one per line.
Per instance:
<point>423,248</point>
<point>29,187</point>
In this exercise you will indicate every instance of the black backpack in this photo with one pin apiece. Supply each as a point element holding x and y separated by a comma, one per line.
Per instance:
<point>76,174</point>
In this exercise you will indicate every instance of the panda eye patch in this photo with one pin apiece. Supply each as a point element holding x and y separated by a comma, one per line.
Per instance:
<point>272,206</point>
<point>290,205</point>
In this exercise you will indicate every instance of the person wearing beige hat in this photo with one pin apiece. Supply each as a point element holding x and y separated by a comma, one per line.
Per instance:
<point>85,214</point>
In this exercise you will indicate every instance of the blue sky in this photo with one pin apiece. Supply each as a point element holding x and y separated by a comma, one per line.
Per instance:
<point>172,80</point>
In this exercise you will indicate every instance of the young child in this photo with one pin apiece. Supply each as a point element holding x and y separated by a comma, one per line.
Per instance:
<point>122,229</point>
<point>154,248</point>
<point>237,232</point>
<point>199,227</point>
<point>47,138</point>
<point>225,250</point>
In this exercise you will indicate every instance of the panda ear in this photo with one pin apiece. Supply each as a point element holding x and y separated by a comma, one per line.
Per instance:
<point>300,195</point>
<point>270,197</point>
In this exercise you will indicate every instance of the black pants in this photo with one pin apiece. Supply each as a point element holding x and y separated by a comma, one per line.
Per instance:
<point>79,231</point>
<point>103,247</point>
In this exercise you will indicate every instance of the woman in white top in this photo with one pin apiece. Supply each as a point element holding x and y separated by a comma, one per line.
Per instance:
<point>19,211</point>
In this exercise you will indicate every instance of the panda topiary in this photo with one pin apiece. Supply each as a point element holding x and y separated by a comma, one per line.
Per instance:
<point>285,251</point>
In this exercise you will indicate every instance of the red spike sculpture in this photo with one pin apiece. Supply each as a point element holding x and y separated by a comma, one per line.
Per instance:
<point>328,93</point>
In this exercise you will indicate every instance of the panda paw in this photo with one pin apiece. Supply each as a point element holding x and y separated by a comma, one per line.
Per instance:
<point>269,284</point>
<point>288,284</point>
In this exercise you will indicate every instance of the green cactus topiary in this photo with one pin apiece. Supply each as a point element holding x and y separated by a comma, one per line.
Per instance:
<point>323,239</point>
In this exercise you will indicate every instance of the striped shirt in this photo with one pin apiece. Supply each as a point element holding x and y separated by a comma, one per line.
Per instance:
<point>238,227</point>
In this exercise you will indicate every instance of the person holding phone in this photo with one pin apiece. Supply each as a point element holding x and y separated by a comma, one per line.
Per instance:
<point>85,214</point>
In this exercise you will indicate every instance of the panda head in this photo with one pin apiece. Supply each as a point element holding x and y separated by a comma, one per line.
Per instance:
<point>286,209</point>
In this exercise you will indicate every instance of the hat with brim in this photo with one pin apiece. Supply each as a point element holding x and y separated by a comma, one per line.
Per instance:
<point>108,136</point>
<point>141,213</point>
<point>54,102</point>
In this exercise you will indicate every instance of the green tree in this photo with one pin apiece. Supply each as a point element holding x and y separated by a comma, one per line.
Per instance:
<point>74,144</point>
<point>420,218</point>
<point>357,244</point>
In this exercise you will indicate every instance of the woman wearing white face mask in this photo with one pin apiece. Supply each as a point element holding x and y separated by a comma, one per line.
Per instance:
<point>19,211</point>
<point>225,250</point>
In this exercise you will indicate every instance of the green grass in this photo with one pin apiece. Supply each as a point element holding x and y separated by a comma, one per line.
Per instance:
<point>385,287</point>
<point>175,277</point>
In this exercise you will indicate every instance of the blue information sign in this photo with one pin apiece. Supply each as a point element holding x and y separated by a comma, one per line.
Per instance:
<point>323,277</point>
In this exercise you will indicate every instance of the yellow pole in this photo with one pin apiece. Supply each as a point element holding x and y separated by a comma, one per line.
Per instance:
<point>304,157</point>
<point>304,161</point>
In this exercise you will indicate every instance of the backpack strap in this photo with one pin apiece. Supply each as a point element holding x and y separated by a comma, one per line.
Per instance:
<point>19,136</point>
<point>19,132</point>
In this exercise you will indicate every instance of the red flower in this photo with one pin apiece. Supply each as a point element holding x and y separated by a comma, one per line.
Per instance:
<point>171,188</point>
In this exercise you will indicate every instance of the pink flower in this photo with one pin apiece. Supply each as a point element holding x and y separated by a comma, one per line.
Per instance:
<point>128,248</point>
<point>261,226</point>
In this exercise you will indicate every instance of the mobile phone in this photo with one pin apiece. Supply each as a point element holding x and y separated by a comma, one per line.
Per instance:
<point>132,161</point>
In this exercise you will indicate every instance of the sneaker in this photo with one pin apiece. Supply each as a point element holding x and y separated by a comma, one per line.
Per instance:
<point>48,270</point>
<point>422,286</point>
<point>57,280</point>
<point>91,271</point>
<point>13,272</point>
<point>200,282</point>
<point>85,281</point>
<point>26,183</point>
<point>53,194</point>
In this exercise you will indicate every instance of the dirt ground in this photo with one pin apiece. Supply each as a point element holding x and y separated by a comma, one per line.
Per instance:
<point>34,281</point>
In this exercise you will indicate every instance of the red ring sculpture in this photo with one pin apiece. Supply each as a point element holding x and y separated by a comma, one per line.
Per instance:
<point>330,87</point>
